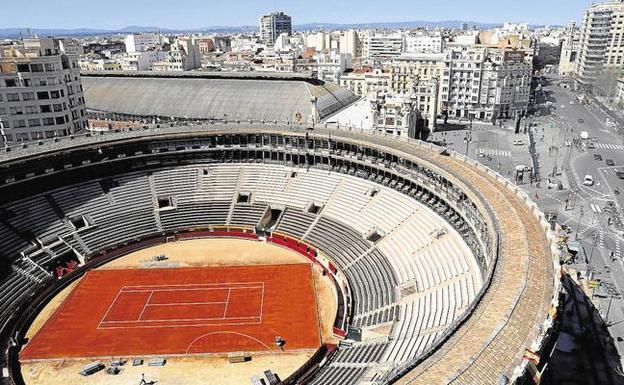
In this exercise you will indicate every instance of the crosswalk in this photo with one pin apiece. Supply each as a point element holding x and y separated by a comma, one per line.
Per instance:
<point>595,208</point>
<point>618,249</point>
<point>610,146</point>
<point>600,243</point>
<point>492,152</point>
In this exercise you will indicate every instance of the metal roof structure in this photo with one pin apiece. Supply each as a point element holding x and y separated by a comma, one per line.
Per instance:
<point>208,96</point>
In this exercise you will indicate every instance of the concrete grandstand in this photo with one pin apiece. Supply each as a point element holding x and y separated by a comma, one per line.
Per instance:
<point>447,271</point>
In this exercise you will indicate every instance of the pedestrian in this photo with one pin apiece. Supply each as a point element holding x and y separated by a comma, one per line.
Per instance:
<point>143,382</point>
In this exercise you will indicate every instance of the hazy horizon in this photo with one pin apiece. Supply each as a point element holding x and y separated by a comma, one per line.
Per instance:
<point>195,14</point>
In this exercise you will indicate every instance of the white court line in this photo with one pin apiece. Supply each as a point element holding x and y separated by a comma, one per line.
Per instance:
<point>262,303</point>
<point>109,308</point>
<point>198,285</point>
<point>182,320</point>
<point>184,303</point>
<point>227,302</point>
<point>179,326</point>
<point>145,305</point>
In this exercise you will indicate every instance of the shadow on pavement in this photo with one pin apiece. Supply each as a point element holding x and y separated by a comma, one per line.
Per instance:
<point>585,353</point>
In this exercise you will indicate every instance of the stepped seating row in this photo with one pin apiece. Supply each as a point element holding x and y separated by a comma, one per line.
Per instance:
<point>35,216</point>
<point>19,284</point>
<point>373,282</point>
<point>423,319</point>
<point>11,243</point>
<point>295,222</point>
<point>247,214</point>
<point>360,353</point>
<point>339,375</point>
<point>376,317</point>
<point>131,200</point>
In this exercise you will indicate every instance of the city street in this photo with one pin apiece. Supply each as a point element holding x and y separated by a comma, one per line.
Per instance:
<point>590,213</point>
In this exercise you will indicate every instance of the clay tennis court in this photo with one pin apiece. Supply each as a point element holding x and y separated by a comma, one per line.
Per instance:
<point>182,311</point>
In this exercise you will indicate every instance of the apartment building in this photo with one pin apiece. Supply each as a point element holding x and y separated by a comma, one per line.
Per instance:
<point>601,41</point>
<point>273,25</point>
<point>424,42</point>
<point>569,51</point>
<point>331,65</point>
<point>619,95</point>
<point>367,82</point>
<point>350,43</point>
<point>419,76</point>
<point>397,116</point>
<point>485,83</point>
<point>41,92</point>
<point>141,42</point>
<point>139,61</point>
<point>382,45</point>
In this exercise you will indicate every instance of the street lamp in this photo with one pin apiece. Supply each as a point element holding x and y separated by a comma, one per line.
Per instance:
<point>579,225</point>
<point>467,140</point>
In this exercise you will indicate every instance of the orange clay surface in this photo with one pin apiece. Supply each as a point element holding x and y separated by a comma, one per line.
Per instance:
<point>182,311</point>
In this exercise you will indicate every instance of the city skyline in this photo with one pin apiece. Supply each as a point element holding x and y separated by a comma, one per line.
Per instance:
<point>196,14</point>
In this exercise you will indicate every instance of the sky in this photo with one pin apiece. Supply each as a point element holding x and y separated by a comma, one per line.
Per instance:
<point>190,14</point>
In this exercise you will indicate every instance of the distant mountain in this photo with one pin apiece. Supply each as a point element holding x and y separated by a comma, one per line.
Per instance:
<point>395,25</point>
<point>17,32</point>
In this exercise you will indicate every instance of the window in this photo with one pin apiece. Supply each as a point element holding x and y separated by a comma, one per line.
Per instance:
<point>36,67</point>
<point>34,122</point>
<point>13,97</point>
<point>36,135</point>
<point>32,109</point>
<point>19,123</point>
<point>54,94</point>
<point>57,107</point>
<point>23,68</point>
<point>43,95</point>
<point>16,111</point>
<point>49,67</point>
<point>60,120</point>
<point>10,82</point>
<point>48,121</point>
<point>28,96</point>
<point>45,108</point>
<point>2,111</point>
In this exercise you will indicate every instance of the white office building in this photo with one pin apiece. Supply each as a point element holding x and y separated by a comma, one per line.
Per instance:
<point>141,42</point>
<point>382,45</point>
<point>331,65</point>
<point>422,42</point>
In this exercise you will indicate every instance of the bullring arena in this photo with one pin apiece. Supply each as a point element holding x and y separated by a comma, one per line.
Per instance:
<point>376,260</point>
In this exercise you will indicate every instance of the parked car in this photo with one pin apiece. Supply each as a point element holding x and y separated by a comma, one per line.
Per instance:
<point>591,145</point>
<point>588,180</point>
<point>598,157</point>
<point>610,162</point>
<point>518,142</point>
<point>571,102</point>
<point>619,174</point>
<point>581,121</point>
